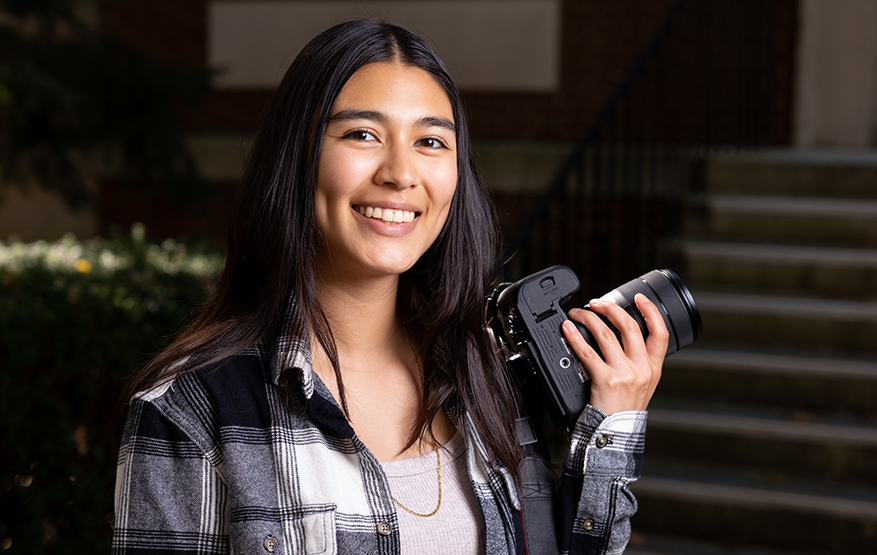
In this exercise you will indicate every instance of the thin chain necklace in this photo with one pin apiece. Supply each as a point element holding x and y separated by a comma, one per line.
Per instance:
<point>434,442</point>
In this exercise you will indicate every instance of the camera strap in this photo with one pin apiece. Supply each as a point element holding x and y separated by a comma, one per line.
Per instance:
<point>537,488</point>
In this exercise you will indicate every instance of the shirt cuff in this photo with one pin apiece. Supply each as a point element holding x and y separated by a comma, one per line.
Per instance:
<point>601,444</point>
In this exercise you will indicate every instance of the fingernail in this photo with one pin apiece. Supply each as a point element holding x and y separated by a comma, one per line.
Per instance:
<point>645,299</point>
<point>574,311</point>
<point>568,325</point>
<point>595,302</point>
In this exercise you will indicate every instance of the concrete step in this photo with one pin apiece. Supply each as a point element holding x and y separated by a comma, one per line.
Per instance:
<point>771,444</point>
<point>652,543</point>
<point>832,272</point>
<point>839,173</point>
<point>806,325</point>
<point>697,503</point>
<point>762,437</point>
<point>848,222</point>
<point>805,385</point>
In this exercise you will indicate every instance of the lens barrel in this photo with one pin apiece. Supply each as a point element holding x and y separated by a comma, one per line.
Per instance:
<point>673,299</point>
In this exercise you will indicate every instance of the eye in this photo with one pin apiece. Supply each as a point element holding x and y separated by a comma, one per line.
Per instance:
<point>432,142</point>
<point>360,135</point>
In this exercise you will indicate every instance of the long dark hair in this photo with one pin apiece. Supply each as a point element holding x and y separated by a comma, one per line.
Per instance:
<point>273,237</point>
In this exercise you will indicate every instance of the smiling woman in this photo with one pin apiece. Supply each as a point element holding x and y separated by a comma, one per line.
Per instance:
<point>388,170</point>
<point>340,392</point>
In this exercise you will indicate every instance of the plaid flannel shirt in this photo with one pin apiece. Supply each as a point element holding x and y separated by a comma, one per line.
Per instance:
<point>218,462</point>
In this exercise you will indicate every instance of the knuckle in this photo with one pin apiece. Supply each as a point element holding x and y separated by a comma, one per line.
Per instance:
<point>630,326</point>
<point>578,343</point>
<point>663,334</point>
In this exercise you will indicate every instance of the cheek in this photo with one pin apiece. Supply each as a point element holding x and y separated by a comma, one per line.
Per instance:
<point>329,177</point>
<point>445,191</point>
<point>327,191</point>
<point>442,195</point>
<point>335,182</point>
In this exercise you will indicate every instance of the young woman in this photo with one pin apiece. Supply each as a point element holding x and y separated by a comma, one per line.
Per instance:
<point>339,393</point>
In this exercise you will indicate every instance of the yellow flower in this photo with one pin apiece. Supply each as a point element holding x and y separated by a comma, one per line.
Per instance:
<point>82,265</point>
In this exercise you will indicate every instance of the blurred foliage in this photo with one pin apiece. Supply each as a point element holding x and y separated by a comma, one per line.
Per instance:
<point>76,318</point>
<point>69,92</point>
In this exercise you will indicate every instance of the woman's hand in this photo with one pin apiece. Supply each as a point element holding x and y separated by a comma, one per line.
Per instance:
<point>629,376</point>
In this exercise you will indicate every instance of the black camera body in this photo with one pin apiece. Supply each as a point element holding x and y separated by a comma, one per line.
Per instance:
<point>525,319</point>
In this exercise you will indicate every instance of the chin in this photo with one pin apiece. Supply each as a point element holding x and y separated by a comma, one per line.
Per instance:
<point>391,270</point>
<point>389,266</point>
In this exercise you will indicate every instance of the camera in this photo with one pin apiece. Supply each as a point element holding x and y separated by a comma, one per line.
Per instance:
<point>525,320</point>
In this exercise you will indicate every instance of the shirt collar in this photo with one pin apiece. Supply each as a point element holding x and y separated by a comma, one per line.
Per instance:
<point>292,353</point>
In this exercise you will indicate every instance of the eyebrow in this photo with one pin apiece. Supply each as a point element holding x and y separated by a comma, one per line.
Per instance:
<point>380,117</point>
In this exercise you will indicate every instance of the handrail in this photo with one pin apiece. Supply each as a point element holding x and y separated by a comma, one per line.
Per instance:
<point>705,80</point>
<point>559,180</point>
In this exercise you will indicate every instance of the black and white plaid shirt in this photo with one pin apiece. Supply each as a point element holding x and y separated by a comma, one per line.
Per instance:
<point>218,462</point>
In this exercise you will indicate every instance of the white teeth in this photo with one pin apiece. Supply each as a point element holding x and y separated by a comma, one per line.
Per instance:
<point>386,214</point>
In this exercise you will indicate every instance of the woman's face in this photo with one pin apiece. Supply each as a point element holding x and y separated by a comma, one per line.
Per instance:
<point>387,171</point>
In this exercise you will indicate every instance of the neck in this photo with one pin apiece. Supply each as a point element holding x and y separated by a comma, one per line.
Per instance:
<point>362,313</point>
<point>382,384</point>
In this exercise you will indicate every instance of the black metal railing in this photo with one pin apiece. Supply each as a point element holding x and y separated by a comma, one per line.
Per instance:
<point>707,80</point>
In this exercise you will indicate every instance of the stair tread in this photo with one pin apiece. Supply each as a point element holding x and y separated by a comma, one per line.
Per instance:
<point>776,305</point>
<point>750,361</point>
<point>781,254</point>
<point>792,206</point>
<point>696,485</point>
<point>843,157</point>
<point>658,544</point>
<point>765,426</point>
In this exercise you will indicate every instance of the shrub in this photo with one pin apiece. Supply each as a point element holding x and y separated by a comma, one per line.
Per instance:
<point>76,318</point>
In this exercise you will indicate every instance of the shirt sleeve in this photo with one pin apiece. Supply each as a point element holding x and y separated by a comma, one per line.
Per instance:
<point>594,501</point>
<point>169,497</point>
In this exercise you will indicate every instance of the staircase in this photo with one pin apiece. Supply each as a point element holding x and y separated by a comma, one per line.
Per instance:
<point>762,436</point>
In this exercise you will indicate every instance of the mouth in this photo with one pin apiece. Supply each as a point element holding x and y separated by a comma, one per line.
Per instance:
<point>386,215</point>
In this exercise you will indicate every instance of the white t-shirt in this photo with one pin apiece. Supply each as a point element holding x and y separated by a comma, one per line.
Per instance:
<point>458,526</point>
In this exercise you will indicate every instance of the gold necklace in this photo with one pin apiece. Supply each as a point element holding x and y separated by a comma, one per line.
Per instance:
<point>434,442</point>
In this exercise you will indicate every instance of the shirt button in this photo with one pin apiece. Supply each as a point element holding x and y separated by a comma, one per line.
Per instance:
<point>602,441</point>
<point>270,544</point>
<point>588,524</point>
<point>384,529</point>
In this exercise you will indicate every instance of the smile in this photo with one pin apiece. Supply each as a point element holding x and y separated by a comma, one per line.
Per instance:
<point>386,214</point>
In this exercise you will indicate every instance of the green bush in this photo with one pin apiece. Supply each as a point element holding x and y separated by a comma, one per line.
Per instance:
<point>76,318</point>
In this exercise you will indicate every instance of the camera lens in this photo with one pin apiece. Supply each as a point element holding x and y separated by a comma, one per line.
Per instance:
<point>673,299</point>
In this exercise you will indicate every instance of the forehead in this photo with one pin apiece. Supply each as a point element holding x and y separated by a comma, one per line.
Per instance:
<point>394,87</point>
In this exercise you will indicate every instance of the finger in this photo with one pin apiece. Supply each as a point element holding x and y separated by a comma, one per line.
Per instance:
<point>656,344</point>
<point>631,334</point>
<point>587,355</point>
<point>605,337</point>
<point>659,336</point>
<point>615,385</point>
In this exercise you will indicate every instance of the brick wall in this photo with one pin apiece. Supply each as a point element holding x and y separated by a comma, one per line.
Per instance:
<point>726,67</point>
<point>600,39</point>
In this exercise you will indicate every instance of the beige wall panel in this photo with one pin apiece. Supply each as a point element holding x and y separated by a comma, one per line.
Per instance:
<point>836,87</point>
<point>489,45</point>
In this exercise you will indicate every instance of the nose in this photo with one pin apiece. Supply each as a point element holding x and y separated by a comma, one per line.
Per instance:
<point>398,167</point>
